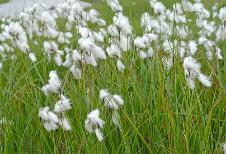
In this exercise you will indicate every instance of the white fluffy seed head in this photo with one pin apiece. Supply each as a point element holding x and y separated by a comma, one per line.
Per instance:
<point>99,134</point>
<point>192,47</point>
<point>142,54</point>
<point>65,123</point>
<point>139,42</point>
<point>50,126</point>
<point>32,57</point>
<point>224,147</point>
<point>204,80</point>
<point>98,52</point>
<point>104,93</point>
<point>115,118</point>
<point>76,72</point>
<point>48,115</point>
<point>53,85</point>
<point>114,50</point>
<point>120,66</point>
<point>191,64</point>
<point>94,118</point>
<point>63,105</point>
<point>118,99</point>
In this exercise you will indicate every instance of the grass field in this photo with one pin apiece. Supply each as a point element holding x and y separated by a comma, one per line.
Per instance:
<point>160,115</point>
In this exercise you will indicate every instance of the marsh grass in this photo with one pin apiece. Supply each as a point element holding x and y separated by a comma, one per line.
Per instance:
<point>161,114</point>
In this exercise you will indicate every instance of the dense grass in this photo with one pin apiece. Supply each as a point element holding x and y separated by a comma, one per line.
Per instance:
<point>161,114</point>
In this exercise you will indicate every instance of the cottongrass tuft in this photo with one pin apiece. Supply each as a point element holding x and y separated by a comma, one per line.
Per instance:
<point>93,123</point>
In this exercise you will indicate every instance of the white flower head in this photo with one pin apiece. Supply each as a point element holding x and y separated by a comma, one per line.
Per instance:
<point>99,134</point>
<point>192,71</point>
<point>222,14</point>
<point>32,57</point>
<point>76,72</point>
<point>54,84</point>
<point>115,118</point>
<point>48,115</point>
<point>114,50</point>
<point>65,123</point>
<point>93,123</point>
<point>139,42</point>
<point>63,105</point>
<point>111,101</point>
<point>159,8</point>
<point>115,6</point>
<point>224,148</point>
<point>49,126</point>
<point>192,47</point>
<point>123,24</point>
<point>120,66</point>
<point>18,36</point>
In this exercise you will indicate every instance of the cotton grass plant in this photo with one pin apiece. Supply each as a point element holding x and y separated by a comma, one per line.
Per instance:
<point>120,77</point>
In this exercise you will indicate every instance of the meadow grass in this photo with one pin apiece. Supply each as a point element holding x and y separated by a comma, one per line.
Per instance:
<point>161,114</point>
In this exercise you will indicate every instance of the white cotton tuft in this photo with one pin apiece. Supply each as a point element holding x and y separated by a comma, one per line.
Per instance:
<point>90,60</point>
<point>122,23</point>
<point>32,57</point>
<point>52,117</point>
<point>224,148</point>
<point>112,102</point>
<point>115,6</point>
<point>115,118</point>
<point>98,36</point>
<point>63,105</point>
<point>209,55</point>
<point>114,50</point>
<point>191,64</point>
<point>68,61</point>
<point>48,115</point>
<point>43,113</point>
<point>1,66</point>
<point>192,47</point>
<point>65,124</point>
<point>142,54</point>
<point>99,134</point>
<point>95,119</point>
<point>113,31</point>
<point>120,66</point>
<point>118,99</point>
<point>76,56</point>
<point>187,5</point>
<point>222,14</point>
<point>93,122</point>
<point>76,72</point>
<point>99,52</point>
<point>204,80</point>
<point>218,53</point>
<point>103,93</point>
<point>150,52</point>
<point>191,83</point>
<point>58,59</point>
<point>19,38</point>
<point>49,126</point>
<point>89,126</point>
<point>159,8</point>
<point>139,42</point>
<point>53,85</point>
<point>124,42</point>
